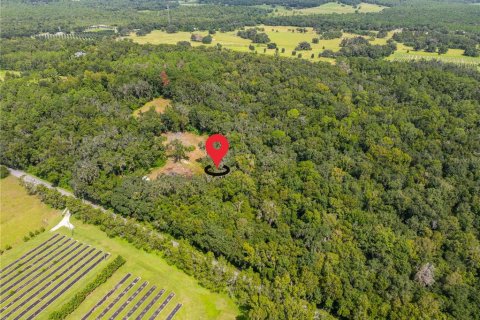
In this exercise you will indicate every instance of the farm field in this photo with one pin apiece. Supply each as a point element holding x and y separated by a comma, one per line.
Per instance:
<point>197,302</point>
<point>327,8</point>
<point>404,52</point>
<point>21,213</point>
<point>281,35</point>
<point>285,38</point>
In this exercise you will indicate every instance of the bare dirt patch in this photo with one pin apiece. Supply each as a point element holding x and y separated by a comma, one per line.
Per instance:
<point>159,104</point>
<point>184,167</point>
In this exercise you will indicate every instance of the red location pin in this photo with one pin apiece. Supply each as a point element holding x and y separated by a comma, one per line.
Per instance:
<point>216,154</point>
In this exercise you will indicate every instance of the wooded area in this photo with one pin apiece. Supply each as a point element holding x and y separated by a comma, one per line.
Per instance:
<point>354,188</point>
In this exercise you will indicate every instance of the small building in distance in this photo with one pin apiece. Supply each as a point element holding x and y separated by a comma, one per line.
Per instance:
<point>196,37</point>
<point>79,54</point>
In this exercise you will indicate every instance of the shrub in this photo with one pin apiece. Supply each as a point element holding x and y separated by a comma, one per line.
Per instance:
<point>4,172</point>
<point>304,45</point>
<point>207,40</point>
<point>78,298</point>
<point>272,45</point>
<point>184,44</point>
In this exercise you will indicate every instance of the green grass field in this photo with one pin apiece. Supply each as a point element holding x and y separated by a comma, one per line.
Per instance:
<point>281,35</point>
<point>327,8</point>
<point>198,302</point>
<point>285,38</point>
<point>24,212</point>
<point>18,217</point>
<point>405,53</point>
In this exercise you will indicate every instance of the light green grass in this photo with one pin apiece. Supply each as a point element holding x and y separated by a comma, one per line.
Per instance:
<point>98,29</point>
<point>281,35</point>
<point>452,56</point>
<point>198,302</point>
<point>285,38</point>
<point>327,8</point>
<point>20,213</point>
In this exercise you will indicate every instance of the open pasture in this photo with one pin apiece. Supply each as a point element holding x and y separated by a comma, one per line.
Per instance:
<point>406,53</point>
<point>284,36</point>
<point>21,213</point>
<point>327,8</point>
<point>288,37</point>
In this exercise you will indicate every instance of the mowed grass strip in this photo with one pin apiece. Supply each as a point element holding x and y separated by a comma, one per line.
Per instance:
<point>19,216</point>
<point>198,302</point>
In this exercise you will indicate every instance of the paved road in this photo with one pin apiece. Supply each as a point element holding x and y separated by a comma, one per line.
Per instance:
<point>37,181</point>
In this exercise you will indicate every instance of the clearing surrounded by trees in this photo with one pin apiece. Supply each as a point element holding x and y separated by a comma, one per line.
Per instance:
<point>188,165</point>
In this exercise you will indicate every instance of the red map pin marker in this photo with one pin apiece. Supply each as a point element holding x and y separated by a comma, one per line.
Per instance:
<point>216,154</point>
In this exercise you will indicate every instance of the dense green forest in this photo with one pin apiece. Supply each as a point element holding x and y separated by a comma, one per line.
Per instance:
<point>354,187</point>
<point>26,18</point>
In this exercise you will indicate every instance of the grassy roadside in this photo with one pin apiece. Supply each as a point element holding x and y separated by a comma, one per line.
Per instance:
<point>19,216</point>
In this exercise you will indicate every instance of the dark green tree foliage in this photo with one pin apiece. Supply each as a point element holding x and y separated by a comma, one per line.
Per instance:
<point>304,45</point>
<point>451,16</point>
<point>332,34</point>
<point>337,206</point>
<point>207,39</point>
<point>361,47</point>
<point>272,45</point>
<point>4,172</point>
<point>429,40</point>
<point>254,35</point>
<point>79,297</point>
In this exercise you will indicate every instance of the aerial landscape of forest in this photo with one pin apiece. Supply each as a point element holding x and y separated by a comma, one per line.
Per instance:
<point>353,182</point>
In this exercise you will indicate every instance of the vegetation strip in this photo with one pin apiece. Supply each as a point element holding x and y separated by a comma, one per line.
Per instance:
<point>109,293</point>
<point>174,311</point>
<point>23,257</point>
<point>139,303</point>
<point>110,306</point>
<point>45,285</point>
<point>56,286</point>
<point>162,306</point>
<point>150,305</point>
<point>68,286</point>
<point>126,303</point>
<point>79,297</point>
<point>40,266</point>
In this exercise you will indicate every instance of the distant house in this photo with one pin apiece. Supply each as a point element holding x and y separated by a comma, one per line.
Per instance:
<point>79,54</point>
<point>196,37</point>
